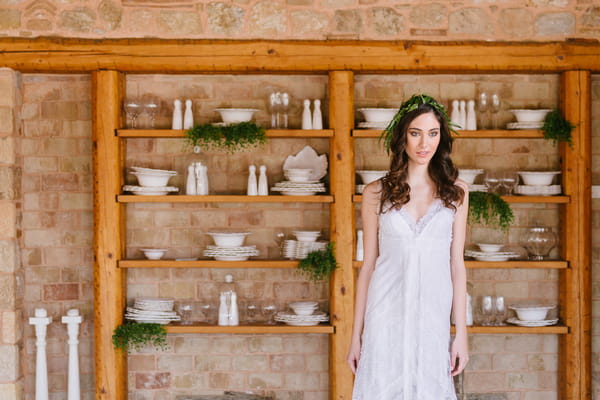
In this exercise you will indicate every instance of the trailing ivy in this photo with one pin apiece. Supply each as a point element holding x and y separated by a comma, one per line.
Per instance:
<point>134,336</point>
<point>557,128</point>
<point>489,209</point>
<point>319,264</point>
<point>231,137</point>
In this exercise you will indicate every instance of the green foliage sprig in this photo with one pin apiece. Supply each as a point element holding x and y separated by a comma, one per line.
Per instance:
<point>133,336</point>
<point>489,209</point>
<point>557,128</point>
<point>231,137</point>
<point>319,264</point>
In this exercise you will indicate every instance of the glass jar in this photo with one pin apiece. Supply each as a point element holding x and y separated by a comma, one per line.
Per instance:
<point>539,240</point>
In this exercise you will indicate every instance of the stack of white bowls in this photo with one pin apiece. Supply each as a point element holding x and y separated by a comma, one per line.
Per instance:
<point>229,246</point>
<point>305,243</point>
<point>304,313</point>
<point>490,252</point>
<point>538,183</point>
<point>300,183</point>
<point>151,181</point>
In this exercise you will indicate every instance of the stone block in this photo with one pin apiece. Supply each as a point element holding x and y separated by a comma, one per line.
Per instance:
<point>186,290</point>
<point>64,182</point>
<point>224,19</point>
<point>229,345</point>
<point>307,22</point>
<point>12,331</point>
<point>482,382</point>
<point>555,24</point>
<point>385,21</point>
<point>486,343</point>
<point>223,380</point>
<point>171,219</point>
<point>524,343</point>
<point>7,123</point>
<point>469,20</point>
<point>291,290</point>
<point>155,380</point>
<point>175,362</point>
<point>317,362</point>
<point>545,395</point>
<point>7,291</point>
<point>40,164</point>
<point>348,21</point>
<point>509,361</point>
<point>9,362</point>
<point>59,292</point>
<point>192,345</point>
<point>211,362</point>
<point>429,15</point>
<point>255,363</point>
<point>265,344</point>
<point>522,380</point>
<point>77,20</point>
<point>516,22</point>
<point>287,362</point>
<point>7,150</point>
<point>301,344</point>
<point>8,256</point>
<point>265,380</point>
<point>300,380</point>
<point>542,362</point>
<point>179,22</point>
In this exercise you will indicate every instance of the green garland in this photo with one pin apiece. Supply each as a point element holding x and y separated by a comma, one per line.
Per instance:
<point>319,264</point>
<point>133,336</point>
<point>489,209</point>
<point>557,128</point>
<point>408,106</point>
<point>231,137</point>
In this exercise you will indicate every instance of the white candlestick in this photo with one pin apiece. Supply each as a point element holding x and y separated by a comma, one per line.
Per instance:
<point>263,184</point>
<point>73,319</point>
<point>41,321</point>
<point>306,115</point>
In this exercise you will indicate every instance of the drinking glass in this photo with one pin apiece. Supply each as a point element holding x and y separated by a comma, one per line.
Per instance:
<point>491,181</point>
<point>285,104</point>
<point>185,309</point>
<point>482,107</point>
<point>495,106</point>
<point>251,311</point>
<point>132,109</point>
<point>509,181</point>
<point>150,106</point>
<point>274,107</point>
<point>487,310</point>
<point>268,311</point>
<point>209,313</point>
<point>499,311</point>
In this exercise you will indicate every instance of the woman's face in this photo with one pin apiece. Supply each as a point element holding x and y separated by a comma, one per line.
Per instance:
<point>422,138</point>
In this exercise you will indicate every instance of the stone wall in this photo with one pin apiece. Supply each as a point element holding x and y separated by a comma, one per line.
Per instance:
<point>304,19</point>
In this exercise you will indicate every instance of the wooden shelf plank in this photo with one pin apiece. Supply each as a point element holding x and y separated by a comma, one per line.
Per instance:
<point>524,264</point>
<point>207,264</point>
<point>357,198</point>
<point>249,329</point>
<point>483,134</point>
<point>225,198</point>
<point>514,329</point>
<point>179,133</point>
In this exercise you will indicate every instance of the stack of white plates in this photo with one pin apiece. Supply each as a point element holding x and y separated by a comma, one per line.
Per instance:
<point>524,125</point>
<point>544,322</point>
<point>149,190</point>
<point>477,188</point>
<point>236,253</point>
<point>538,190</point>
<point>291,318</point>
<point>296,250</point>
<point>372,125</point>
<point>152,310</point>
<point>491,255</point>
<point>152,182</point>
<point>299,188</point>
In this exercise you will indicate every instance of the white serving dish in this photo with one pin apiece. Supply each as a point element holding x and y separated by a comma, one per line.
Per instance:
<point>531,312</point>
<point>383,115</point>
<point>156,180</point>
<point>303,310</point>
<point>307,236</point>
<point>538,178</point>
<point>469,175</point>
<point>232,115</point>
<point>307,158</point>
<point>369,176</point>
<point>228,239</point>
<point>523,115</point>
<point>154,254</point>
<point>490,247</point>
<point>298,174</point>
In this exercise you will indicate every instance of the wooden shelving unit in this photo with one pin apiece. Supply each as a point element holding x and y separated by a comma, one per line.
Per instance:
<point>107,61</point>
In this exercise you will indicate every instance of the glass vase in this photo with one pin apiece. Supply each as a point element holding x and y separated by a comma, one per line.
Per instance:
<point>539,240</point>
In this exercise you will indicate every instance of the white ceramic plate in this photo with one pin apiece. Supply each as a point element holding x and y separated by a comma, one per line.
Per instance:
<point>545,322</point>
<point>524,125</point>
<point>535,190</point>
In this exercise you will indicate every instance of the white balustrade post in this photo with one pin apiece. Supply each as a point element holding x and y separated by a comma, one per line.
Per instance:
<point>41,321</point>
<point>73,319</point>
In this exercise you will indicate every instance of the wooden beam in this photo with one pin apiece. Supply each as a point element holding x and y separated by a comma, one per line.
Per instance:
<point>109,291</point>
<point>341,158</point>
<point>191,56</point>
<point>575,282</point>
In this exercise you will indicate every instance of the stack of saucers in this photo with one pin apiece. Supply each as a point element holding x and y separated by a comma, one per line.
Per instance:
<point>152,310</point>
<point>229,246</point>
<point>490,252</point>
<point>152,182</point>
<point>304,313</point>
<point>289,188</point>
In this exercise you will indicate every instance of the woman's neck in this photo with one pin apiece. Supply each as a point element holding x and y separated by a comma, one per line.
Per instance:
<point>418,174</point>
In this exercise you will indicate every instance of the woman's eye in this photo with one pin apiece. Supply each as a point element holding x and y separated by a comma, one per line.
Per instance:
<point>414,133</point>
<point>433,134</point>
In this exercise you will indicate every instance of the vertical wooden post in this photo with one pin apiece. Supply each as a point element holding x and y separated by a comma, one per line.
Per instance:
<point>341,161</point>
<point>109,281</point>
<point>575,282</point>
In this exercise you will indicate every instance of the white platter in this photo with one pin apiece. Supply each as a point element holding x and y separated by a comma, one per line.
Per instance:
<point>524,125</point>
<point>536,190</point>
<point>545,322</point>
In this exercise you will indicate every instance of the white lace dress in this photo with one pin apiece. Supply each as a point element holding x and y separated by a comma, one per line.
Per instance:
<point>406,336</point>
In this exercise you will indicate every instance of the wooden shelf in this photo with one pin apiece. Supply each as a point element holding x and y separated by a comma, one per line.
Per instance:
<point>226,198</point>
<point>514,329</point>
<point>483,134</point>
<point>207,264</point>
<point>524,264</point>
<point>250,329</point>
<point>179,133</point>
<point>357,198</point>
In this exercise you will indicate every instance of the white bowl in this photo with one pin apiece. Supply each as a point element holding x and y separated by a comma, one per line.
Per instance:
<point>469,175</point>
<point>152,180</point>
<point>231,115</point>
<point>304,311</point>
<point>530,115</point>
<point>490,247</point>
<point>228,239</point>
<point>378,114</point>
<point>298,174</point>
<point>531,313</point>
<point>154,254</point>
<point>307,236</point>
<point>369,176</point>
<point>538,178</point>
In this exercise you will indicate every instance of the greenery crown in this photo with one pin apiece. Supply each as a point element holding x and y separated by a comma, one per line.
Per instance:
<point>408,106</point>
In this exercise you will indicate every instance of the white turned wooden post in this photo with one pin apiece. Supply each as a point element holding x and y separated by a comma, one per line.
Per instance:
<point>73,319</point>
<point>41,321</point>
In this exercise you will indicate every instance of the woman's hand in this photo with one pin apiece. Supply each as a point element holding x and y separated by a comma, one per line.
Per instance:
<point>354,355</point>
<point>459,355</point>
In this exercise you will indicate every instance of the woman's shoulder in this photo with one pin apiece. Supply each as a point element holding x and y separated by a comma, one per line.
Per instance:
<point>462,184</point>
<point>372,192</point>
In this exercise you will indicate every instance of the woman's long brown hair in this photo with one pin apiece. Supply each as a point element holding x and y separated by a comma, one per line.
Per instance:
<point>395,191</point>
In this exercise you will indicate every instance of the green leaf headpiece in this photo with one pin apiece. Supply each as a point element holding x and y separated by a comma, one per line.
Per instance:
<point>411,105</point>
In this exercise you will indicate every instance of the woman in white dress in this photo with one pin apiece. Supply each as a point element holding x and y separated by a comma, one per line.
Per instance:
<point>413,274</point>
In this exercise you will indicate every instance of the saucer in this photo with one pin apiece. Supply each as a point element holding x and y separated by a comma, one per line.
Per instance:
<point>544,322</point>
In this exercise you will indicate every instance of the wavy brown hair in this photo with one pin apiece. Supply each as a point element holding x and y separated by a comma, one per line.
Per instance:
<point>395,191</point>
